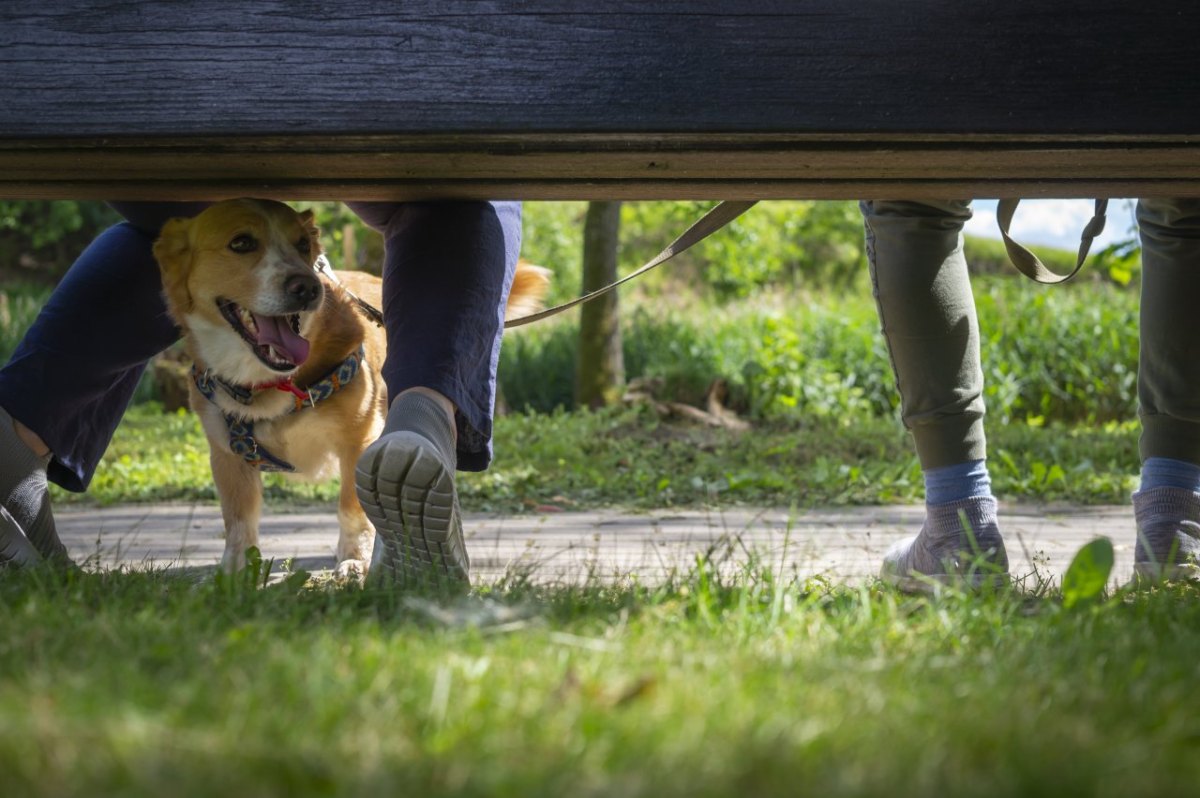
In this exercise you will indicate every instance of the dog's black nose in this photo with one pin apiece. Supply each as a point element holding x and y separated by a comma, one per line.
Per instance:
<point>304,288</point>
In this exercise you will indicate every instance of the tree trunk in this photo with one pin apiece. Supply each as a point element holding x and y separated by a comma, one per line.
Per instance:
<point>600,373</point>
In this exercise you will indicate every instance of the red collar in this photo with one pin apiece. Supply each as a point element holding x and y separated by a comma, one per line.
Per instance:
<point>284,384</point>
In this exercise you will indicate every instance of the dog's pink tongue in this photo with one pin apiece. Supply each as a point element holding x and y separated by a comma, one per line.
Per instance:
<point>277,332</point>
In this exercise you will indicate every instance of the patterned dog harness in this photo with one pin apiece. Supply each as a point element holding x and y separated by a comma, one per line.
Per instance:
<point>241,431</point>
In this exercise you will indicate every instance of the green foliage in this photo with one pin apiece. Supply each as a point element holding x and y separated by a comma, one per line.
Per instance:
<point>552,237</point>
<point>1087,576</point>
<point>42,223</point>
<point>20,303</point>
<point>775,245</point>
<point>348,242</point>
<point>1064,353</point>
<point>43,237</point>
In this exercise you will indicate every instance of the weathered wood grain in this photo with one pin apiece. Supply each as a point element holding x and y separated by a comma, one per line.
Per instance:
<point>729,166</point>
<point>622,99</point>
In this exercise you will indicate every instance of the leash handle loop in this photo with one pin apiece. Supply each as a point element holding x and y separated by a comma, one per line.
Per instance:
<point>1029,264</point>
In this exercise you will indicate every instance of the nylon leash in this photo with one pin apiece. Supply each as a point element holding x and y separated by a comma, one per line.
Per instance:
<point>717,217</point>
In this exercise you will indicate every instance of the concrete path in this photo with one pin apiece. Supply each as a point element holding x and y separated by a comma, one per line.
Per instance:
<point>843,544</point>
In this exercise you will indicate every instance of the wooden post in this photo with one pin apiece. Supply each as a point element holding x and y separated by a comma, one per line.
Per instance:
<point>600,370</point>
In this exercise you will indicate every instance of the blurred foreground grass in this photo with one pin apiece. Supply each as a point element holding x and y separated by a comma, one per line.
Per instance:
<point>149,684</point>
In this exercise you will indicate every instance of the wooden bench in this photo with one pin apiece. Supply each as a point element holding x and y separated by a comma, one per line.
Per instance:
<point>626,99</point>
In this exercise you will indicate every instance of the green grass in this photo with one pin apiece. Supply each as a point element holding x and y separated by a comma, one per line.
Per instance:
<point>153,684</point>
<point>629,457</point>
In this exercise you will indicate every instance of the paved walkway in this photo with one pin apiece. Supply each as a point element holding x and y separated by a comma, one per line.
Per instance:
<point>843,544</point>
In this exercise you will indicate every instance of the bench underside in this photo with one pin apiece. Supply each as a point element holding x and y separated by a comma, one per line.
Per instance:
<point>623,99</point>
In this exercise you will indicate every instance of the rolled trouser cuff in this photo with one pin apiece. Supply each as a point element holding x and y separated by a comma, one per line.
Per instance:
<point>1168,436</point>
<point>950,441</point>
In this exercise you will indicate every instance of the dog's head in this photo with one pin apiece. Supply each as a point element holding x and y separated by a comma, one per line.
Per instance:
<point>239,279</point>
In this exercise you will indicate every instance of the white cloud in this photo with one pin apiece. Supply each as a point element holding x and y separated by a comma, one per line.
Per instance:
<point>1055,223</point>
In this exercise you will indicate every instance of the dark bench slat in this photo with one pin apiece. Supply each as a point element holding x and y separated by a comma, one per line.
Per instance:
<point>537,167</point>
<point>616,99</point>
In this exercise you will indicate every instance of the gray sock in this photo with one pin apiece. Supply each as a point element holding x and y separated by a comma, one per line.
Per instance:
<point>958,539</point>
<point>945,521</point>
<point>416,412</point>
<point>967,527</point>
<point>24,491</point>
<point>1168,526</point>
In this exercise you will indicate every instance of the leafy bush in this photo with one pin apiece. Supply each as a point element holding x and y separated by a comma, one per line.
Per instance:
<point>19,306</point>
<point>42,238</point>
<point>1066,353</point>
<point>777,244</point>
<point>1059,352</point>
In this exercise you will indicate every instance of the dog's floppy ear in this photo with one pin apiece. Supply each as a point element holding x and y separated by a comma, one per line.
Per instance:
<point>173,252</point>
<point>314,232</point>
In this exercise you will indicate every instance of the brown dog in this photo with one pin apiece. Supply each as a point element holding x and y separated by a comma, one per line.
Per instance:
<point>286,360</point>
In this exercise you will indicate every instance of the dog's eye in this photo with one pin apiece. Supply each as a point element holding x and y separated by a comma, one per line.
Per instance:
<point>243,244</point>
<point>304,246</point>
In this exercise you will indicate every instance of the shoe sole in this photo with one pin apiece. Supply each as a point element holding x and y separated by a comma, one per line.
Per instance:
<point>1146,573</point>
<point>931,584</point>
<point>408,494</point>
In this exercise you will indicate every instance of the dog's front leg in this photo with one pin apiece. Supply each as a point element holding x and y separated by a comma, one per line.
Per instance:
<point>356,532</point>
<point>240,488</point>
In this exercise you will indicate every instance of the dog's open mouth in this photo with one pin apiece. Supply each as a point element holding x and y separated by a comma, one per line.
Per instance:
<point>275,340</point>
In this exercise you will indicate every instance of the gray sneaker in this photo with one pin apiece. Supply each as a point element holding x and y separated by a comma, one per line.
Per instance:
<point>407,489</point>
<point>959,544</point>
<point>15,548</point>
<point>1168,535</point>
<point>25,496</point>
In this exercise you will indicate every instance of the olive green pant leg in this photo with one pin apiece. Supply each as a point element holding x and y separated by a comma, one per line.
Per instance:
<point>927,312</point>
<point>1169,359</point>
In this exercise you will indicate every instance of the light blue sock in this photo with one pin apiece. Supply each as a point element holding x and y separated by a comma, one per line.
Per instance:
<point>1164,472</point>
<point>960,481</point>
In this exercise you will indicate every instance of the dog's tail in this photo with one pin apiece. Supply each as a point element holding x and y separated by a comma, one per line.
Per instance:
<point>530,284</point>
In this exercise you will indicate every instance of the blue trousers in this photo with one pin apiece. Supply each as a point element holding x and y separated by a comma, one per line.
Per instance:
<point>447,271</point>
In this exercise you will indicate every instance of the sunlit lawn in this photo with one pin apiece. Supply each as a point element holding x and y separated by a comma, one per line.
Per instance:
<point>627,457</point>
<point>153,684</point>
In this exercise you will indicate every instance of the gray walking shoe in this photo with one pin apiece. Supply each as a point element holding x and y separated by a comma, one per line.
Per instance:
<point>405,483</point>
<point>25,494</point>
<point>15,548</point>
<point>1168,535</point>
<point>959,544</point>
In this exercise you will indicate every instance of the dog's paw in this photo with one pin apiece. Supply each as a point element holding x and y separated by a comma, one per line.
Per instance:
<point>233,560</point>
<point>348,570</point>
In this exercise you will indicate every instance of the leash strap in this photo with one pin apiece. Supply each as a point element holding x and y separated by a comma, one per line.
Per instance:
<point>718,216</point>
<point>1028,263</point>
<point>373,313</point>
